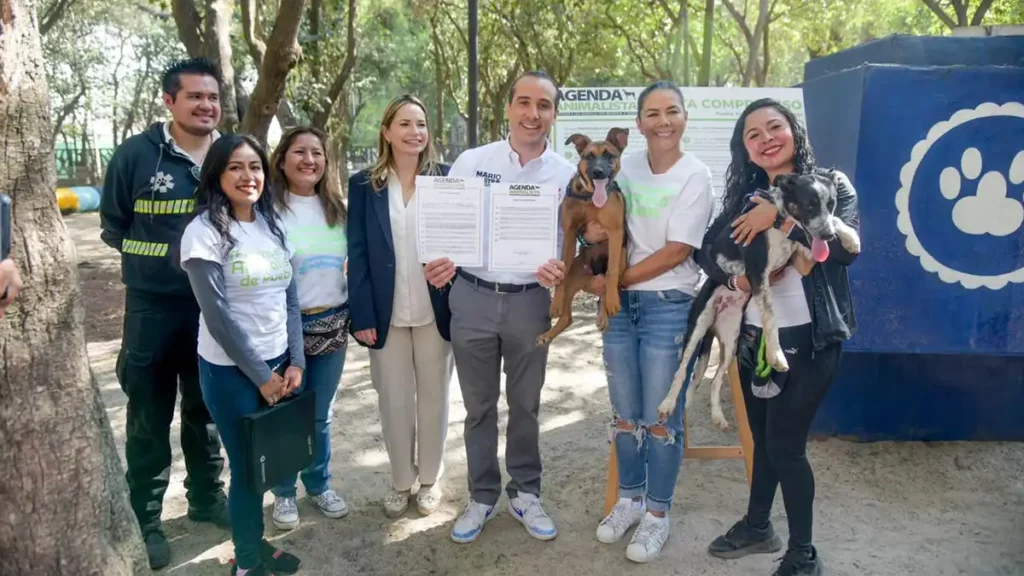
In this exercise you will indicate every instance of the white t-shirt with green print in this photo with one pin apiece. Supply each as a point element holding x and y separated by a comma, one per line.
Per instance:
<point>319,253</point>
<point>671,207</point>
<point>257,273</point>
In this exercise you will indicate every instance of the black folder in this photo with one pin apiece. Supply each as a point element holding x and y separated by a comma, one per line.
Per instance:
<point>279,440</point>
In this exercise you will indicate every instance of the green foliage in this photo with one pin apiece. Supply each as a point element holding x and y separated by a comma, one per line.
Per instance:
<point>103,59</point>
<point>98,54</point>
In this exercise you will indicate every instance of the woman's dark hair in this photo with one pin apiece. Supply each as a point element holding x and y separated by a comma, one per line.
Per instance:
<point>210,197</point>
<point>743,176</point>
<point>659,85</point>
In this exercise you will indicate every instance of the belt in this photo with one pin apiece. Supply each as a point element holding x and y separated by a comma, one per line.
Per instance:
<point>311,311</point>
<point>497,286</point>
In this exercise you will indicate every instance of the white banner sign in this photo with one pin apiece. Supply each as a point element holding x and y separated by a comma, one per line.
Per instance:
<point>712,117</point>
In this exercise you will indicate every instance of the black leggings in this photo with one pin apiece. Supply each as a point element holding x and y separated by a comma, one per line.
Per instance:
<point>780,426</point>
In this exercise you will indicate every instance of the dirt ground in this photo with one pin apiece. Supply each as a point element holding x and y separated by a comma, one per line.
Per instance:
<point>882,509</point>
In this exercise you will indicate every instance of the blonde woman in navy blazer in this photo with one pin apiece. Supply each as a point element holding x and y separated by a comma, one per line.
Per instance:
<point>395,312</point>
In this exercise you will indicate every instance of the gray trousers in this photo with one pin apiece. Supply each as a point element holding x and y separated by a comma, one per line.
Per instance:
<point>488,327</point>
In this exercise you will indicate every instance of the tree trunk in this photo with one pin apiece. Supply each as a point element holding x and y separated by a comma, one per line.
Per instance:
<point>754,43</point>
<point>218,49</point>
<point>281,57</point>
<point>62,490</point>
<point>704,76</point>
<point>439,96</point>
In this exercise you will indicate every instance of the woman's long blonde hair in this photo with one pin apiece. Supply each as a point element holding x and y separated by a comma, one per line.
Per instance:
<point>328,189</point>
<point>386,160</point>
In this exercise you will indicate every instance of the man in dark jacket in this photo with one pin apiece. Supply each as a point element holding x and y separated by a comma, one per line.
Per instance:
<point>148,196</point>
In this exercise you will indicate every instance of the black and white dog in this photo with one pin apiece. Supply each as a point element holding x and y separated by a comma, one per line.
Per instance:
<point>810,199</point>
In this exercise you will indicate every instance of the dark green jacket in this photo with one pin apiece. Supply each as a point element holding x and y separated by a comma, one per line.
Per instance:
<point>148,198</point>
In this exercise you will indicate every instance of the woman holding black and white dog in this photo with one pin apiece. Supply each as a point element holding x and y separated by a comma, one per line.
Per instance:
<point>815,315</point>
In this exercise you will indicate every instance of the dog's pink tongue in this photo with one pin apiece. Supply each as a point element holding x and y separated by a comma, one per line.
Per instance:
<point>600,192</point>
<point>819,248</point>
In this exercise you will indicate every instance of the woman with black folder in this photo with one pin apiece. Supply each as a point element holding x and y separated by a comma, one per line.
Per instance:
<point>250,332</point>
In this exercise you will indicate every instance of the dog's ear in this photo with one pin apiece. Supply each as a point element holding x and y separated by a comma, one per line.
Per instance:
<point>580,141</point>
<point>619,137</point>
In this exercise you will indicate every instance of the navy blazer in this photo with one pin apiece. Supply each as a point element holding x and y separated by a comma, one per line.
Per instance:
<point>371,263</point>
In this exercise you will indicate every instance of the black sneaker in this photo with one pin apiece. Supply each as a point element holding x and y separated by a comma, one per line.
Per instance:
<point>258,570</point>
<point>158,549</point>
<point>800,563</point>
<point>279,561</point>
<point>216,515</point>
<point>743,539</point>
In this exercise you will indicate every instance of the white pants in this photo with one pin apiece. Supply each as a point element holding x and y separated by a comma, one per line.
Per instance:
<point>411,374</point>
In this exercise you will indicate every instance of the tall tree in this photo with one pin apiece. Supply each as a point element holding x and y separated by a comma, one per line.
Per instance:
<point>63,495</point>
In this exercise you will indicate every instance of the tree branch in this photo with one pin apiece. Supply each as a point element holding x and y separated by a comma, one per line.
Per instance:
<point>740,19</point>
<point>979,14</point>
<point>284,52</point>
<point>253,31</point>
<point>188,24</point>
<point>54,12</point>
<point>65,111</point>
<point>934,7</point>
<point>323,115</point>
<point>960,9</point>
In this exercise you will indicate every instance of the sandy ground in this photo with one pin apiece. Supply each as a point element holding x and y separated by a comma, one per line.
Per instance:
<point>885,509</point>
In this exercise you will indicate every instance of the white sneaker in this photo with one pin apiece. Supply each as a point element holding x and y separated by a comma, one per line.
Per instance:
<point>396,503</point>
<point>286,513</point>
<point>527,509</point>
<point>626,514</point>
<point>428,499</point>
<point>330,504</point>
<point>469,526</point>
<point>648,538</point>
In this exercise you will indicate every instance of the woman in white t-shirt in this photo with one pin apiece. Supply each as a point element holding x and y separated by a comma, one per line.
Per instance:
<point>313,214</point>
<point>250,332</point>
<point>668,206</point>
<point>814,312</point>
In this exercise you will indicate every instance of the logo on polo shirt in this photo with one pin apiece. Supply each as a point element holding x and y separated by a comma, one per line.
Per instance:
<point>488,177</point>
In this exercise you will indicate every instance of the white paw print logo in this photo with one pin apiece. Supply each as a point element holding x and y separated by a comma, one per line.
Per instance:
<point>162,182</point>
<point>994,210</point>
<point>990,211</point>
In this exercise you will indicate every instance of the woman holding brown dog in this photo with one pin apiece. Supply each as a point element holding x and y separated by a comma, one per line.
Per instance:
<point>669,200</point>
<point>814,312</point>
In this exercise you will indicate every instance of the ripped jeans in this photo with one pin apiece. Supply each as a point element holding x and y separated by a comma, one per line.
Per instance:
<point>641,356</point>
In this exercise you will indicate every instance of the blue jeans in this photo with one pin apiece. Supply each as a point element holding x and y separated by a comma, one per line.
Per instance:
<point>641,356</point>
<point>230,395</point>
<point>323,374</point>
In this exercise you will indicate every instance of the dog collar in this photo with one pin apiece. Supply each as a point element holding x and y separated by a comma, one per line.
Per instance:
<point>570,194</point>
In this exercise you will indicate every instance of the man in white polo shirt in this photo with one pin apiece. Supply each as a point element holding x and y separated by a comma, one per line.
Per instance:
<point>497,316</point>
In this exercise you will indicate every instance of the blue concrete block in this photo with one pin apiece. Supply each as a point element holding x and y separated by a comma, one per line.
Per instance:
<point>931,397</point>
<point>924,51</point>
<point>933,281</point>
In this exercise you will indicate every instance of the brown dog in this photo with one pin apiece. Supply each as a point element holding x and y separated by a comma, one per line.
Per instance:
<point>592,196</point>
